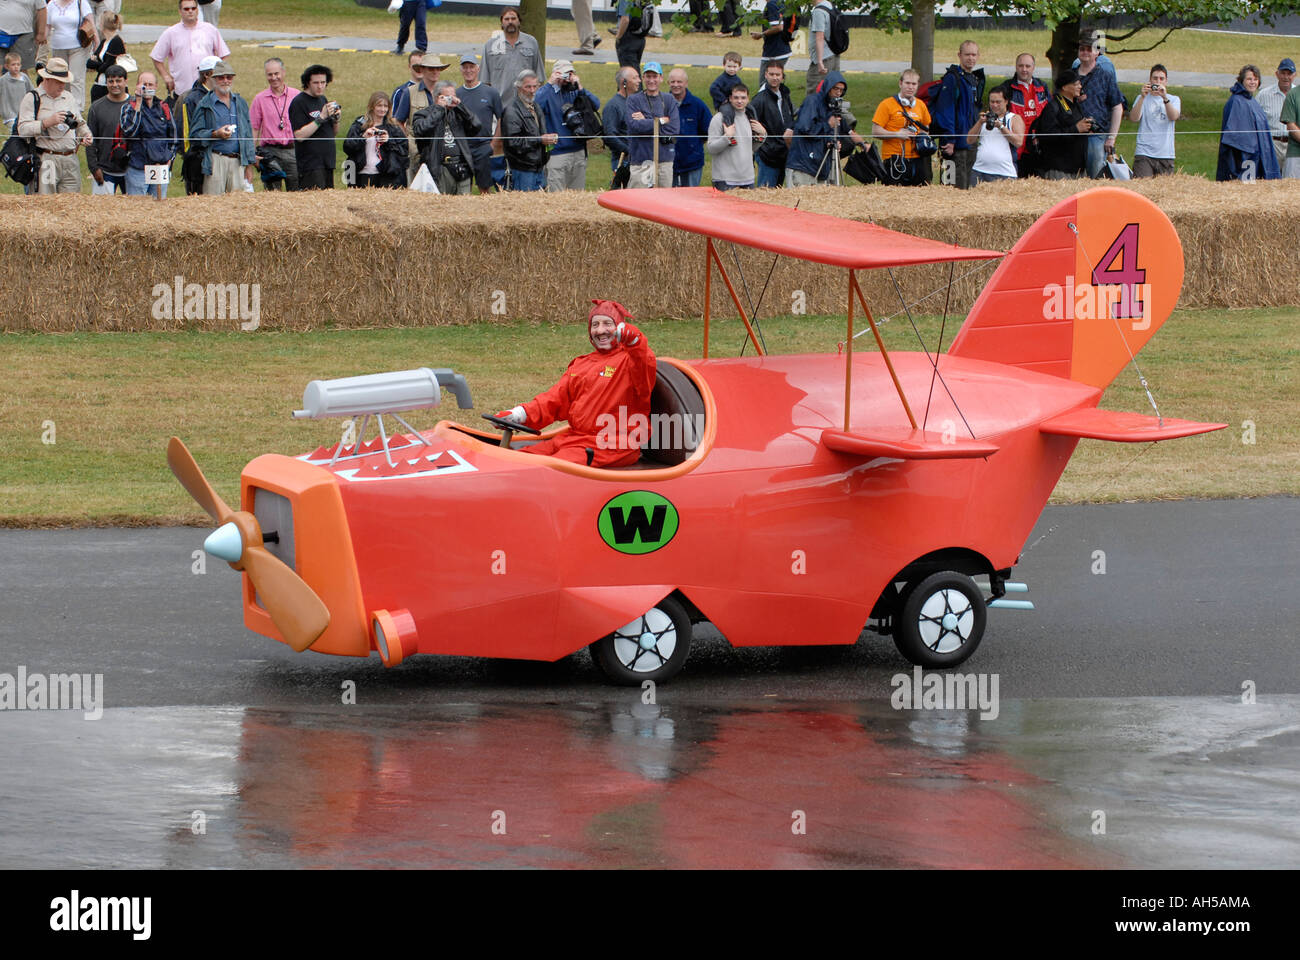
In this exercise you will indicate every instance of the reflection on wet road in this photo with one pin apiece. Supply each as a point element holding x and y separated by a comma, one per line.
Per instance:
<point>1180,782</point>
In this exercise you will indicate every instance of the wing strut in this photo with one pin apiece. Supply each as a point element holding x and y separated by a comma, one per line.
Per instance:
<point>848,354</point>
<point>711,257</point>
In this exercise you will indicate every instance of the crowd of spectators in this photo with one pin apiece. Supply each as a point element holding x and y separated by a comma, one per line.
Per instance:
<point>511,125</point>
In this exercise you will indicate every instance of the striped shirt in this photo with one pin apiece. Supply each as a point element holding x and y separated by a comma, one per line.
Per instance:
<point>1271,99</point>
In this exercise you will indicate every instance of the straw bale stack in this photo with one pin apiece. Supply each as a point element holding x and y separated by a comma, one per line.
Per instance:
<point>351,258</point>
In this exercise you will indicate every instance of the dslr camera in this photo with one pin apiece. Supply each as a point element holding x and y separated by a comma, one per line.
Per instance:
<point>1093,125</point>
<point>835,106</point>
<point>572,118</point>
<point>990,122</point>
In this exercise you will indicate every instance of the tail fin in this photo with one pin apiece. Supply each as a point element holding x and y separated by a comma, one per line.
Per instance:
<point>1092,280</point>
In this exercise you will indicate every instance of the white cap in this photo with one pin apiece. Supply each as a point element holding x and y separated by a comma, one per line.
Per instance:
<point>207,63</point>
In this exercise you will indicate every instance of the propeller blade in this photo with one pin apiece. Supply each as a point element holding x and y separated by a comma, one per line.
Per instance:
<point>294,607</point>
<point>195,483</point>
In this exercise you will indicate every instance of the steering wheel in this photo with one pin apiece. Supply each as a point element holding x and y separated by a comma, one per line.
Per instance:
<point>509,427</point>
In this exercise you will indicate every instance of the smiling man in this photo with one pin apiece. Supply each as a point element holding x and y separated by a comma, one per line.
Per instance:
<point>615,378</point>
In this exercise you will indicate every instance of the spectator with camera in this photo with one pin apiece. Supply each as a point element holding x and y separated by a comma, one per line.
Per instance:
<point>314,118</point>
<point>272,131</point>
<point>774,109</point>
<point>961,93</point>
<point>153,134</point>
<point>105,158</point>
<point>412,100</point>
<point>225,134</point>
<point>731,144</point>
<point>1101,102</point>
<point>376,146</point>
<point>997,136</point>
<point>693,116</point>
<point>627,81</point>
<point>570,111</point>
<point>1063,131</point>
<point>524,137</point>
<point>1027,98</point>
<point>56,128</point>
<point>821,130</point>
<point>442,133</point>
<point>653,124</point>
<point>1155,110</point>
<point>897,123</point>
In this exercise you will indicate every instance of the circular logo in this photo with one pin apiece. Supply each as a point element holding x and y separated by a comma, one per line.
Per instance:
<point>637,522</point>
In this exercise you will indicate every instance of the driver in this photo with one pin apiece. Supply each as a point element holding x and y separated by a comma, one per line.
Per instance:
<point>614,380</point>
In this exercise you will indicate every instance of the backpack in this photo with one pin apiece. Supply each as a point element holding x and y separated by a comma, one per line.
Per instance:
<point>788,27</point>
<point>19,154</point>
<point>640,25</point>
<point>926,93</point>
<point>120,151</point>
<point>837,37</point>
<point>591,127</point>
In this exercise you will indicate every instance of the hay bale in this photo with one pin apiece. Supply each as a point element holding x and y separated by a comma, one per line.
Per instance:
<point>352,258</point>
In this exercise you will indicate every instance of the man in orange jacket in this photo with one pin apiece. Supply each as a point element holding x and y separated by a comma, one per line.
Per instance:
<point>613,381</point>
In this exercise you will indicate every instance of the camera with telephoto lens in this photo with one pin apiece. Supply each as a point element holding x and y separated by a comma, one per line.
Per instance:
<point>573,121</point>
<point>835,106</point>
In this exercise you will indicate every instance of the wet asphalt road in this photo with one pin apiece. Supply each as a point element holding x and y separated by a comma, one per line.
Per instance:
<point>1120,696</point>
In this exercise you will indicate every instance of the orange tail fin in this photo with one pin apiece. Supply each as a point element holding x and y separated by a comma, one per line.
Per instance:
<point>1089,283</point>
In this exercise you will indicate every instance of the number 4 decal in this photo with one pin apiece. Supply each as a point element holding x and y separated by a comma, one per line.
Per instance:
<point>1134,292</point>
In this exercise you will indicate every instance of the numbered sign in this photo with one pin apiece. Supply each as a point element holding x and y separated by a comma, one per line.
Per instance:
<point>159,173</point>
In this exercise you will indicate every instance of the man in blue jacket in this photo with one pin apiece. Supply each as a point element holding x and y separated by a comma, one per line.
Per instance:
<point>224,133</point>
<point>693,117</point>
<point>566,167</point>
<point>150,129</point>
<point>818,128</point>
<point>627,81</point>
<point>956,108</point>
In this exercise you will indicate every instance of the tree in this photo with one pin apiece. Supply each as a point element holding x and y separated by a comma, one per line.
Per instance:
<point>532,20</point>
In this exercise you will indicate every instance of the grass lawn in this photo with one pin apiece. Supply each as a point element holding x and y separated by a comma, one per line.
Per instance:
<point>360,74</point>
<point>113,399</point>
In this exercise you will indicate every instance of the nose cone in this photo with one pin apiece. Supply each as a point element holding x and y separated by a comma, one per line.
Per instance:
<point>225,543</point>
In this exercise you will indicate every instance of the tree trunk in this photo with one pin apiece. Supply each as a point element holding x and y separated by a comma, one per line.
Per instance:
<point>1065,44</point>
<point>532,20</point>
<point>923,39</point>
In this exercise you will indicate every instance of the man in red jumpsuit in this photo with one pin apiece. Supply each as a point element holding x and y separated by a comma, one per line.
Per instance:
<point>601,394</point>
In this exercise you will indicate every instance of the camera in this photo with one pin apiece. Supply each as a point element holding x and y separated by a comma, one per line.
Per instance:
<point>568,84</point>
<point>1093,125</point>
<point>69,118</point>
<point>990,122</point>
<point>572,119</point>
<point>835,106</point>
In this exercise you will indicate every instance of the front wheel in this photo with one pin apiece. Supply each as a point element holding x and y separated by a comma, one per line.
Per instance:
<point>654,646</point>
<point>941,621</point>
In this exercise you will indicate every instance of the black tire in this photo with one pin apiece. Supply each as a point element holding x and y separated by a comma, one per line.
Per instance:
<point>941,620</point>
<point>625,661</point>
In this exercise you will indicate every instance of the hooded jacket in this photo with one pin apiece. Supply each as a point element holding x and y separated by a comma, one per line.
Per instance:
<point>813,134</point>
<point>1246,137</point>
<point>957,106</point>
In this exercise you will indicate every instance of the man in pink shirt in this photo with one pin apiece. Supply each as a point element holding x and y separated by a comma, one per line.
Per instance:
<point>273,135</point>
<point>178,51</point>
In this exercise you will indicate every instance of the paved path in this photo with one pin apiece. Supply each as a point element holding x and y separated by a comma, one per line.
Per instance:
<point>144,33</point>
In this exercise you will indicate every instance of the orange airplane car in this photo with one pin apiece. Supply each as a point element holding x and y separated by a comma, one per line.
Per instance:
<point>785,499</point>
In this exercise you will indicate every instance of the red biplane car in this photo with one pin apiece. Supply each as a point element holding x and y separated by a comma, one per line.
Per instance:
<point>785,499</point>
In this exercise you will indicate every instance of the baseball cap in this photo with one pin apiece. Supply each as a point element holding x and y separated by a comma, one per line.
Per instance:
<point>562,67</point>
<point>469,56</point>
<point>652,67</point>
<point>223,69</point>
<point>207,63</point>
<point>1287,64</point>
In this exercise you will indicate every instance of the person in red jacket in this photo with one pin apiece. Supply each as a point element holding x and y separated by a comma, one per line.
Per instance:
<point>612,384</point>
<point>1027,98</point>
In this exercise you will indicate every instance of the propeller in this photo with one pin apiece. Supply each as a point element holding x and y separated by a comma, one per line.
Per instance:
<point>296,611</point>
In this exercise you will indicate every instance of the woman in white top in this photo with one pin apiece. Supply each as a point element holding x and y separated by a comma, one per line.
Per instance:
<point>62,18</point>
<point>1000,135</point>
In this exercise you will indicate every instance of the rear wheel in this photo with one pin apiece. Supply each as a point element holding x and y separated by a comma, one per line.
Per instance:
<point>654,646</point>
<point>941,620</point>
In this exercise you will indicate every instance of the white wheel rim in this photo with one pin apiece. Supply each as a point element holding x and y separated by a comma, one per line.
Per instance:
<point>381,641</point>
<point>647,643</point>
<point>946,620</point>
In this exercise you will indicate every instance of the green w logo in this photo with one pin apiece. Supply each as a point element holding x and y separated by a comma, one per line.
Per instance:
<point>637,522</point>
